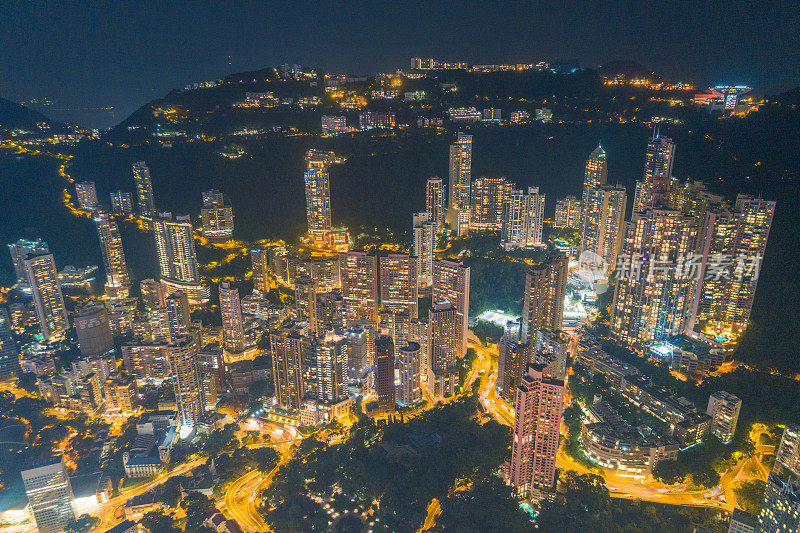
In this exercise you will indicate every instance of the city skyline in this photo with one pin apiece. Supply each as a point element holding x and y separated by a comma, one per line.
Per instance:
<point>285,313</point>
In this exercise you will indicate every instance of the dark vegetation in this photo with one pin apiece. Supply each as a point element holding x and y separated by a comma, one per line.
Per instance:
<point>402,466</point>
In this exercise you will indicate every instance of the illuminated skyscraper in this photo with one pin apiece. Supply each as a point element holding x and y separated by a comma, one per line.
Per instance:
<point>410,390</point>
<point>121,203</point>
<point>232,323</point>
<point>568,213</point>
<point>545,287</point>
<point>87,194</point>
<point>177,257</point>
<point>487,198</point>
<point>331,368</point>
<point>259,260</point>
<point>182,357</point>
<point>538,407</point>
<point>287,354</point>
<point>19,251</point>
<point>144,190</point>
<point>604,222</point>
<point>657,172</point>
<point>318,202</point>
<point>732,252</point>
<point>451,284</point>
<point>359,279</point>
<point>512,363</point>
<point>384,373</point>
<point>217,216</point>
<point>787,460</point>
<point>47,297</point>
<point>594,176</point>
<point>424,247</point>
<point>50,496</point>
<point>523,219</point>
<point>780,510</point>
<point>118,282</point>
<point>654,282</point>
<point>458,210</point>
<point>434,202</point>
<point>176,313</point>
<point>305,303</point>
<point>9,351</point>
<point>399,283</point>
<point>444,346</point>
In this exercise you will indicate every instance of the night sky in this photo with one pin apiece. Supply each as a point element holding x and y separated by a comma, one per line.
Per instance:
<point>123,54</point>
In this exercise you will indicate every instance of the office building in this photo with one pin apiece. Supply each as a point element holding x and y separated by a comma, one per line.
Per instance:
<point>121,203</point>
<point>217,216</point>
<point>177,257</point>
<point>723,408</point>
<point>568,213</point>
<point>230,307</point>
<point>732,252</point>
<point>458,209</point>
<point>410,391</point>
<point>47,297</point>
<point>451,284</point>
<point>595,175</point>
<point>144,190</point>
<point>443,349</point>
<point>318,202</point>
<point>780,510</point>
<point>384,373</point>
<point>543,301</point>
<point>152,294</point>
<point>358,272</point>
<point>654,188</point>
<point>537,420</point>
<point>514,358</point>
<point>19,251</point>
<point>603,224</point>
<point>787,460</point>
<point>182,357</point>
<point>523,219</point>
<point>50,496</point>
<point>435,202</point>
<point>652,297</point>
<point>425,235</point>
<point>86,194</point>
<point>287,349</point>
<point>9,351</point>
<point>93,329</point>
<point>118,281</point>
<point>398,285</point>
<point>487,197</point>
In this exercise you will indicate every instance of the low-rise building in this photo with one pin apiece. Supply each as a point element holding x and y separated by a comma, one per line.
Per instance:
<point>610,441</point>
